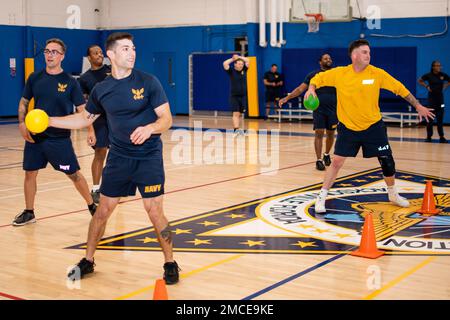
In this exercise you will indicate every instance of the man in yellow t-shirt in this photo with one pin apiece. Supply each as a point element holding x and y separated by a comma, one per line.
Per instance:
<point>360,125</point>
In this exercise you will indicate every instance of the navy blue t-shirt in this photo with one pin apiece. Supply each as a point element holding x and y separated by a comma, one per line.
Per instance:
<point>238,81</point>
<point>56,95</point>
<point>129,103</point>
<point>89,79</point>
<point>326,95</point>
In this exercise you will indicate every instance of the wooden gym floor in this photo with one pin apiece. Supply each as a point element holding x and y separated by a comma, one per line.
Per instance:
<point>232,240</point>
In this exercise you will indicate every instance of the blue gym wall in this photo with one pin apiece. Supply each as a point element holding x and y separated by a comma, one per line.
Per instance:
<point>182,41</point>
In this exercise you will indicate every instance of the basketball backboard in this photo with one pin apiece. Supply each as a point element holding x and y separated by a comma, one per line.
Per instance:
<point>332,10</point>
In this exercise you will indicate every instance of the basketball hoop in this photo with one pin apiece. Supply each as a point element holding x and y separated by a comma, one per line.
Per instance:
<point>313,20</point>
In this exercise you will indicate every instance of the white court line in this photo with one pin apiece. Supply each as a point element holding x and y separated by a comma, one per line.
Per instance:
<point>343,199</point>
<point>427,234</point>
<point>432,226</point>
<point>347,211</point>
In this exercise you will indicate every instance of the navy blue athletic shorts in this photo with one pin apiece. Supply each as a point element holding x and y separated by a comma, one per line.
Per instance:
<point>373,140</point>
<point>59,152</point>
<point>121,176</point>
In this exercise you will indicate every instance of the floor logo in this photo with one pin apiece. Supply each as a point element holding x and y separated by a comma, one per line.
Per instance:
<point>287,223</point>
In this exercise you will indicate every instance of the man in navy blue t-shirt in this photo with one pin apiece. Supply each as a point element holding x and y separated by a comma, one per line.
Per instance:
<point>137,112</point>
<point>98,132</point>
<point>324,117</point>
<point>55,92</point>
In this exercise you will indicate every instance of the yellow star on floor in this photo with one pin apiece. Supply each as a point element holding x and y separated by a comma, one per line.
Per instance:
<point>148,240</point>
<point>251,243</point>
<point>196,242</point>
<point>342,235</point>
<point>209,223</point>
<point>234,216</point>
<point>373,177</point>
<point>322,230</point>
<point>345,185</point>
<point>408,189</point>
<point>180,231</point>
<point>304,244</point>
<point>305,226</point>
<point>406,177</point>
<point>359,180</point>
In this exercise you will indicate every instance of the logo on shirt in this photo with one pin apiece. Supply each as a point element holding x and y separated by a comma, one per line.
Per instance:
<point>62,87</point>
<point>150,189</point>
<point>138,94</point>
<point>368,81</point>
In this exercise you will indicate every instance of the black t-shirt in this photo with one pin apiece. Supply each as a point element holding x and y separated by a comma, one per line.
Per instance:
<point>91,77</point>
<point>56,95</point>
<point>273,77</point>
<point>436,83</point>
<point>128,104</point>
<point>238,81</point>
<point>326,95</point>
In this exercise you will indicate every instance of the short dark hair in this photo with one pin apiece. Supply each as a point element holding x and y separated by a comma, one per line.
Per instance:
<point>57,41</point>
<point>356,44</point>
<point>321,56</point>
<point>433,63</point>
<point>88,51</point>
<point>274,65</point>
<point>116,36</point>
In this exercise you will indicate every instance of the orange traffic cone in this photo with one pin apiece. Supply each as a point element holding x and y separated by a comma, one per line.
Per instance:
<point>368,246</point>
<point>160,292</point>
<point>428,203</point>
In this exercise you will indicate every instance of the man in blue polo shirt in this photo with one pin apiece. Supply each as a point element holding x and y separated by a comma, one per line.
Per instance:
<point>98,132</point>
<point>137,112</point>
<point>55,92</point>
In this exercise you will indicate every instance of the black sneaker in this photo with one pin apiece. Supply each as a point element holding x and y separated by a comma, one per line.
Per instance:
<point>327,159</point>
<point>320,165</point>
<point>428,139</point>
<point>96,196</point>
<point>24,218</point>
<point>92,208</point>
<point>83,268</point>
<point>442,140</point>
<point>171,275</point>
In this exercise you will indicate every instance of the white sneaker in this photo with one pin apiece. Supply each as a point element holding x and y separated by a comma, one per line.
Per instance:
<point>319,207</point>
<point>399,200</point>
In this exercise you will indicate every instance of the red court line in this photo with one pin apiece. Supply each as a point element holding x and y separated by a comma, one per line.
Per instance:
<point>180,190</point>
<point>8,296</point>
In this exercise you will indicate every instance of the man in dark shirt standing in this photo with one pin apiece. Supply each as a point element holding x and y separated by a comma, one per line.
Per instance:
<point>55,92</point>
<point>97,133</point>
<point>238,88</point>
<point>137,112</point>
<point>324,117</point>
<point>437,82</point>
<point>273,80</point>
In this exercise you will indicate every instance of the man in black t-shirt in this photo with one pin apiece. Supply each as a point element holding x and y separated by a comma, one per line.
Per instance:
<point>238,88</point>
<point>137,112</point>
<point>97,136</point>
<point>55,92</point>
<point>324,117</point>
<point>435,82</point>
<point>273,81</point>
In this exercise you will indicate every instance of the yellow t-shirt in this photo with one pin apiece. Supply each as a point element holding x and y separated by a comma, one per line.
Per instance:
<point>358,93</point>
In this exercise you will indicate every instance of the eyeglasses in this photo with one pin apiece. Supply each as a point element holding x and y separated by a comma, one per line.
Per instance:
<point>52,52</point>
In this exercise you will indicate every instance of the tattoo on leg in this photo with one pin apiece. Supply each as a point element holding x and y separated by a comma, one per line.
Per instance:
<point>166,234</point>
<point>74,177</point>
